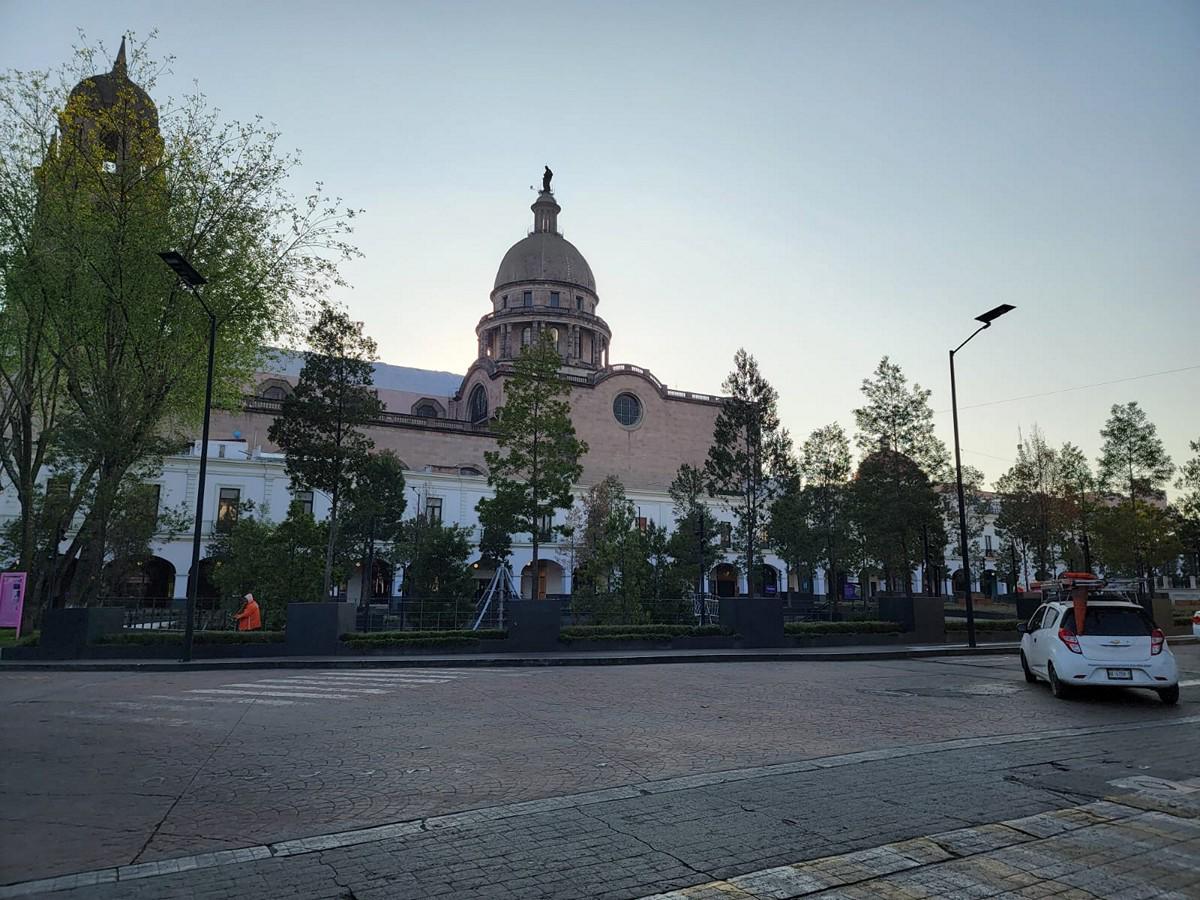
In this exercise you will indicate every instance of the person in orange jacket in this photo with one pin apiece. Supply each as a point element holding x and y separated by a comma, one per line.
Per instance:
<point>248,617</point>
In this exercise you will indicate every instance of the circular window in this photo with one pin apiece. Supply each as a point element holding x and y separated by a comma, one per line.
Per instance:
<point>627,409</point>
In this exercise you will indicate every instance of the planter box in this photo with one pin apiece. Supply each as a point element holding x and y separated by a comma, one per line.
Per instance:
<point>849,640</point>
<point>66,633</point>
<point>759,620</point>
<point>488,646</point>
<point>983,635</point>
<point>316,629</point>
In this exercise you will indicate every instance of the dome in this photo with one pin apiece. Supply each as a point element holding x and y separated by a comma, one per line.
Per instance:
<point>545,256</point>
<point>103,91</point>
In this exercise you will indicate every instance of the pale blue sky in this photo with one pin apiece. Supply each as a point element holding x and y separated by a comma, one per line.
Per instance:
<point>822,183</point>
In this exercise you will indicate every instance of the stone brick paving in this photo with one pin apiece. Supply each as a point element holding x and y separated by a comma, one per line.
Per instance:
<point>607,783</point>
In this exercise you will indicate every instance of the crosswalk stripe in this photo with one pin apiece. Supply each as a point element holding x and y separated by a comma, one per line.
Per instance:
<point>273,693</point>
<point>363,682</point>
<point>406,673</point>
<point>229,700</point>
<point>285,686</point>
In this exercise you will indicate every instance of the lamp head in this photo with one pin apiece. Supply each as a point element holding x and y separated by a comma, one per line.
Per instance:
<point>183,269</point>
<point>992,314</point>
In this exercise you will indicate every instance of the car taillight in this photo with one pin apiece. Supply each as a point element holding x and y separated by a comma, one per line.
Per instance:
<point>1157,640</point>
<point>1070,640</point>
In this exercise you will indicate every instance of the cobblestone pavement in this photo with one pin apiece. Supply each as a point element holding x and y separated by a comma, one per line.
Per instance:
<point>587,782</point>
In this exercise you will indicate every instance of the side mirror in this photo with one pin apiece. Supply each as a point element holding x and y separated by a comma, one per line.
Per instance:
<point>1022,628</point>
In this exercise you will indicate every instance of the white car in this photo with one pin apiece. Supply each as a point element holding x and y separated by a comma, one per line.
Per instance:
<point>1120,647</point>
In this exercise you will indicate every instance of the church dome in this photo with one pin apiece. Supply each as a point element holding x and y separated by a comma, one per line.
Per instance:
<point>100,92</point>
<point>545,256</point>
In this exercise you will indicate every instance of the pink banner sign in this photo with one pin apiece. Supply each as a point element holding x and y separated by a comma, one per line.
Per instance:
<point>12,599</point>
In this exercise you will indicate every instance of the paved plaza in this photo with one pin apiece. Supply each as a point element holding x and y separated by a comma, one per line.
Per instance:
<point>900,778</point>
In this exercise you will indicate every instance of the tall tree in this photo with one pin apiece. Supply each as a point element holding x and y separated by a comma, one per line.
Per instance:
<point>825,464</point>
<point>538,457</point>
<point>794,533</point>
<point>375,511</point>
<point>899,418</point>
<point>1078,487</point>
<point>896,511</point>
<point>750,459</point>
<point>320,425</point>
<point>1188,507</point>
<point>693,545</point>
<point>103,354</point>
<point>1029,504</point>
<point>1134,462</point>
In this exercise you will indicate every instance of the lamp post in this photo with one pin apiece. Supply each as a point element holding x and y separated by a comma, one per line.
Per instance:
<point>987,318</point>
<point>193,280</point>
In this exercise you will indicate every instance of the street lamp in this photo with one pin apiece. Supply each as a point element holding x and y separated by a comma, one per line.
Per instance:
<point>987,318</point>
<point>193,280</point>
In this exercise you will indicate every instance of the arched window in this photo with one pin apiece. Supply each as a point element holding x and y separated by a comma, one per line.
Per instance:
<point>477,406</point>
<point>426,410</point>
<point>526,336</point>
<point>469,470</point>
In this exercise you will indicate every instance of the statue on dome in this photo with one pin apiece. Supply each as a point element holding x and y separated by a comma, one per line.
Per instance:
<point>546,176</point>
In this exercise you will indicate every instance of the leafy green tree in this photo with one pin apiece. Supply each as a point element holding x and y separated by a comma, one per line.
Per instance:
<point>898,418</point>
<point>1078,487</point>
<point>750,459</point>
<point>279,563</point>
<point>437,576</point>
<point>321,425</point>
<point>694,544</point>
<point>825,465</point>
<point>103,353</point>
<point>374,512</point>
<point>1030,507</point>
<point>793,533</point>
<point>1188,508</point>
<point>1134,462</point>
<point>896,511</point>
<point>538,457</point>
<point>1136,546</point>
<point>616,571</point>
<point>497,524</point>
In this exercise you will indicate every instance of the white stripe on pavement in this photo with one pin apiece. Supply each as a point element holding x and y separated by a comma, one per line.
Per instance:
<point>228,700</point>
<point>362,682</point>
<point>1190,683</point>
<point>281,685</point>
<point>272,693</point>
<point>390,676</point>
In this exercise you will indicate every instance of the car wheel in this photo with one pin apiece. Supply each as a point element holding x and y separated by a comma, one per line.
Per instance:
<point>1057,688</point>
<point>1169,696</point>
<point>1029,676</point>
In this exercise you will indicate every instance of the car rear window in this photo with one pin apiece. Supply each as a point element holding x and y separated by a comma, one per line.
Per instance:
<point>1111,621</point>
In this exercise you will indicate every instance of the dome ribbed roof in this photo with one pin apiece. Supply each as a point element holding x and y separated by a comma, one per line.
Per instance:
<point>104,91</point>
<point>545,256</point>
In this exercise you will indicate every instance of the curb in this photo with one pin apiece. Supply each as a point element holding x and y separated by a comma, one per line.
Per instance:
<point>513,661</point>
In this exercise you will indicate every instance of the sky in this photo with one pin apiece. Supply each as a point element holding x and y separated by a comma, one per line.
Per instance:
<point>822,183</point>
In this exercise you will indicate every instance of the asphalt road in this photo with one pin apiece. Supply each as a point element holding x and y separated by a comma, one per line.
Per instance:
<point>606,781</point>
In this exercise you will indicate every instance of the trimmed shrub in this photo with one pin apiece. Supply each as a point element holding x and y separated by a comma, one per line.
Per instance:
<point>983,625</point>
<point>163,638</point>
<point>810,629</point>
<point>378,640</point>
<point>639,632</point>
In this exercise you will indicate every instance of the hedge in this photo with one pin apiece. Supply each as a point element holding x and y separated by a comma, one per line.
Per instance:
<point>160,638</point>
<point>984,624</point>
<point>369,640</point>
<point>639,632</point>
<point>807,629</point>
<point>8,638</point>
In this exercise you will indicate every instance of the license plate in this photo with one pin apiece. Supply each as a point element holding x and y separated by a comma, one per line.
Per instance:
<point>1120,674</point>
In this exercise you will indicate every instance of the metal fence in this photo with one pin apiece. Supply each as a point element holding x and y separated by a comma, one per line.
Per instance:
<point>168,613</point>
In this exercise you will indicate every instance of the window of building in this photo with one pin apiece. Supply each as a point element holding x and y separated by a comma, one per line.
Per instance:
<point>477,406</point>
<point>433,510</point>
<point>627,409</point>
<point>579,303</point>
<point>725,530</point>
<point>527,298</point>
<point>151,495</point>
<point>526,336</point>
<point>426,411</point>
<point>469,470</point>
<point>305,499</point>
<point>553,336</point>
<point>987,544</point>
<point>641,523</point>
<point>544,526</point>
<point>274,392</point>
<point>554,299</point>
<point>504,302</point>
<point>228,501</point>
